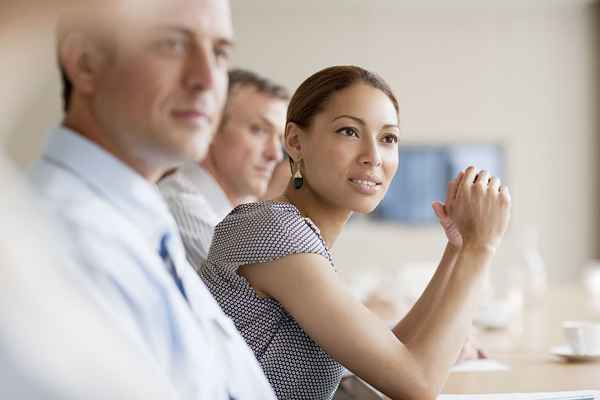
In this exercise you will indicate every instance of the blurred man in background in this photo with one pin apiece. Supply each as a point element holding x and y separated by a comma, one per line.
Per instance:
<point>238,166</point>
<point>282,174</point>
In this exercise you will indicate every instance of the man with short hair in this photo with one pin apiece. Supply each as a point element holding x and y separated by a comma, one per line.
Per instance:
<point>146,83</point>
<point>47,318</point>
<point>239,164</point>
<point>280,179</point>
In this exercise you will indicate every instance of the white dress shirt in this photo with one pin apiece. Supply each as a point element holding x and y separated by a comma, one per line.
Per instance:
<point>55,343</point>
<point>116,222</point>
<point>198,204</point>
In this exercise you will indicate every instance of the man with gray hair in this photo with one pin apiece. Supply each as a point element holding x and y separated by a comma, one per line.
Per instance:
<point>145,83</point>
<point>56,343</point>
<point>239,164</point>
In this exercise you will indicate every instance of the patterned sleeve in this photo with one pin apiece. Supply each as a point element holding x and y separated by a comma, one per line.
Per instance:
<point>262,232</point>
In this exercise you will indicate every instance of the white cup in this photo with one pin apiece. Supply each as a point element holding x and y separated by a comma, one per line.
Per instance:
<point>583,337</point>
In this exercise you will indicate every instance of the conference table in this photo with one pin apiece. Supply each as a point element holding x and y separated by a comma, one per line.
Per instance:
<point>524,346</point>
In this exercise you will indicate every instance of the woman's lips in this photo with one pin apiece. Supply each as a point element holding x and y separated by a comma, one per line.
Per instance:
<point>366,186</point>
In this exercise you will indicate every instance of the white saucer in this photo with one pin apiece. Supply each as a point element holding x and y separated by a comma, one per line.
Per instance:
<point>567,353</point>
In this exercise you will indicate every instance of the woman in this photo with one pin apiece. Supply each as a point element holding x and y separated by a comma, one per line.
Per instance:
<point>271,270</point>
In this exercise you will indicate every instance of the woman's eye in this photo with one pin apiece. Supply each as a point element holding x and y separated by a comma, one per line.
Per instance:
<point>348,131</point>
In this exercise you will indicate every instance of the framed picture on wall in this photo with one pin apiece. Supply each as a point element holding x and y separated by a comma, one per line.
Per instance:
<point>423,175</point>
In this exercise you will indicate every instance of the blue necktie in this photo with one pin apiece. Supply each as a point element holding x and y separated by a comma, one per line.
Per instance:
<point>166,257</point>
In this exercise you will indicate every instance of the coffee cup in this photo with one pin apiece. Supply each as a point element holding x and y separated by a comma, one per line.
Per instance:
<point>583,337</point>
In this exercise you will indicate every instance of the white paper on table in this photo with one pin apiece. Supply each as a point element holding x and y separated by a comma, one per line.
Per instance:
<point>483,365</point>
<point>578,395</point>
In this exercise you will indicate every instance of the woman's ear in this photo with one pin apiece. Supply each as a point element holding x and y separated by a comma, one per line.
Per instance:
<point>293,141</point>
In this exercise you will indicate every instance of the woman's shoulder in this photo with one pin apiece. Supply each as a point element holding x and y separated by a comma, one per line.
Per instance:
<point>266,207</point>
<point>266,214</point>
<point>271,227</point>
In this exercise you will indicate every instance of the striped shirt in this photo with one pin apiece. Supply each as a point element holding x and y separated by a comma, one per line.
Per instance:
<point>198,204</point>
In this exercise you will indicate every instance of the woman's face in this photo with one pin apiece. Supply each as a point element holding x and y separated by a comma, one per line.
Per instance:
<point>350,151</point>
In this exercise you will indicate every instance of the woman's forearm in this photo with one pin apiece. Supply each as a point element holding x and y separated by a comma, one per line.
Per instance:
<point>443,330</point>
<point>411,324</point>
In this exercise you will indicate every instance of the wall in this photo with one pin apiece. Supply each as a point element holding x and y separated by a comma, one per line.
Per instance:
<point>517,72</point>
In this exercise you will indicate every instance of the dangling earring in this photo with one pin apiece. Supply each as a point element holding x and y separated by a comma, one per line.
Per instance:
<point>298,179</point>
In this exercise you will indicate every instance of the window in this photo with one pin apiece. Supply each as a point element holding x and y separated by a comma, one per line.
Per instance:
<point>423,175</point>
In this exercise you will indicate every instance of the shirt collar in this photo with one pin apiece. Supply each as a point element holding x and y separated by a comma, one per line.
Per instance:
<point>136,198</point>
<point>202,182</point>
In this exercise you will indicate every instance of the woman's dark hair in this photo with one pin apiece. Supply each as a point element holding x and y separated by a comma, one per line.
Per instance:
<point>312,95</point>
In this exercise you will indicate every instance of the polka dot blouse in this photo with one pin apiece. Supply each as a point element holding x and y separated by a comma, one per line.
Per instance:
<point>294,364</point>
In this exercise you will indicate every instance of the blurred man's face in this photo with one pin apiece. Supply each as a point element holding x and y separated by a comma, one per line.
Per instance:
<point>161,91</point>
<point>248,146</point>
<point>280,180</point>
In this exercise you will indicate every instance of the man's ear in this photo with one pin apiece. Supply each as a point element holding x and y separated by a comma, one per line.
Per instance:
<point>293,141</point>
<point>82,61</point>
